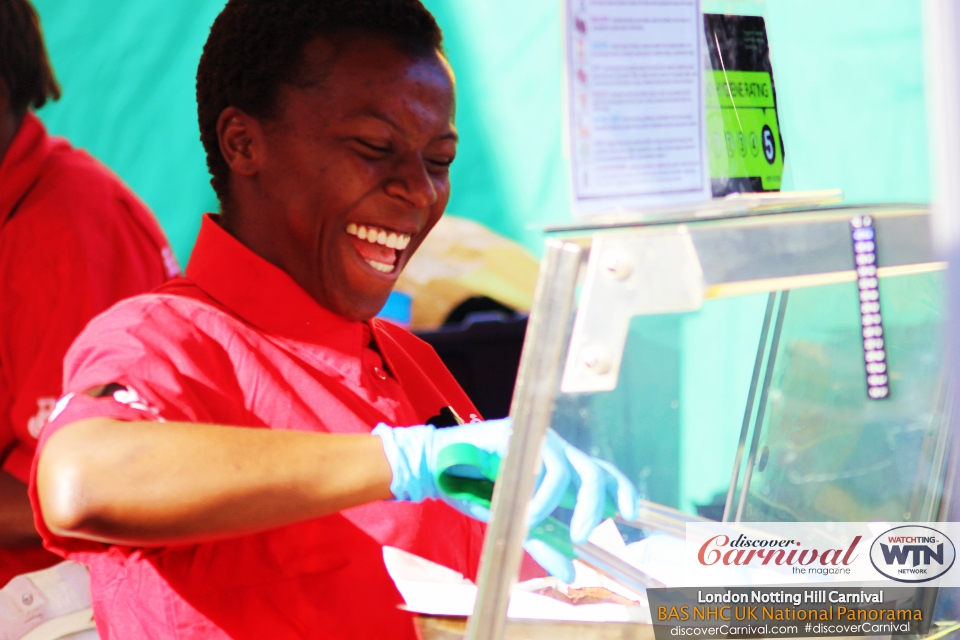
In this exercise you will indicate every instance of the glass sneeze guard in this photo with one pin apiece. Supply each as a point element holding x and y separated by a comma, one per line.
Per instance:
<point>622,359</point>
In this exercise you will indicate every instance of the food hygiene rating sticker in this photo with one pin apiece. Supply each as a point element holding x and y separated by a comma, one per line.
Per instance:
<point>767,553</point>
<point>788,612</point>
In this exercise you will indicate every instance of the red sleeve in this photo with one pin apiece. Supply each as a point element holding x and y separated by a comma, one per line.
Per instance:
<point>71,408</point>
<point>151,359</point>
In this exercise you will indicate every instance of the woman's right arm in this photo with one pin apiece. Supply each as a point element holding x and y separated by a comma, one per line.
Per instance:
<point>154,484</point>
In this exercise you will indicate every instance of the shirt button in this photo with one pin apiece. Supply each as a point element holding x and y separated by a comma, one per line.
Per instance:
<point>380,373</point>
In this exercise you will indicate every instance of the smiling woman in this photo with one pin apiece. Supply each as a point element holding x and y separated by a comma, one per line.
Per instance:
<point>221,458</point>
<point>364,135</point>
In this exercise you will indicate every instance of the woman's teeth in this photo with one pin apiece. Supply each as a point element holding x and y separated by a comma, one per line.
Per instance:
<point>375,235</point>
<point>379,266</point>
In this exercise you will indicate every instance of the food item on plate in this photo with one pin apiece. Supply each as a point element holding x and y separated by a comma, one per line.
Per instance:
<point>598,595</point>
<point>586,595</point>
<point>556,594</point>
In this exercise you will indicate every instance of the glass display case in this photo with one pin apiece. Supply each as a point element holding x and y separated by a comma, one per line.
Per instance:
<point>720,363</point>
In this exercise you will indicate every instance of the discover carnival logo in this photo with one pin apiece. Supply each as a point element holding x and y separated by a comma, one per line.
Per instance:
<point>912,553</point>
<point>776,552</point>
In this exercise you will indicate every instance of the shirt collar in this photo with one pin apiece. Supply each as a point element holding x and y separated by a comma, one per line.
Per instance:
<point>20,168</point>
<point>264,295</point>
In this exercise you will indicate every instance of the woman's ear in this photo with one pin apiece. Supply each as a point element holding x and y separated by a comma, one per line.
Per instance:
<point>241,139</point>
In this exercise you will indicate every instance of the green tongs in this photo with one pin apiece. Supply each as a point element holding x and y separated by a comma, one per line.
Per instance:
<point>467,473</point>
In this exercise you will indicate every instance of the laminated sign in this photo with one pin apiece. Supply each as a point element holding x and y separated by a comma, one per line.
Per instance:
<point>743,132</point>
<point>635,104</point>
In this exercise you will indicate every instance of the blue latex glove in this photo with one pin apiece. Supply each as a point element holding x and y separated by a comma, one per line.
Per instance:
<point>412,454</point>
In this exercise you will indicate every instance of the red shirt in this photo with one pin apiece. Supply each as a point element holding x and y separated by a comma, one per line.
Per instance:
<point>73,241</point>
<point>238,342</point>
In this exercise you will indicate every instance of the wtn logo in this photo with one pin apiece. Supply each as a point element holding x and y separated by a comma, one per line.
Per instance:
<point>898,554</point>
<point>912,553</point>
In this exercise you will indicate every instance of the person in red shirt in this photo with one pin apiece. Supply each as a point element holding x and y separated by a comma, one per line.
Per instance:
<point>73,241</point>
<point>234,449</point>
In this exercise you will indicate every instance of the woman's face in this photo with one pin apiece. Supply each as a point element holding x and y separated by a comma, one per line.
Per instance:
<point>352,173</point>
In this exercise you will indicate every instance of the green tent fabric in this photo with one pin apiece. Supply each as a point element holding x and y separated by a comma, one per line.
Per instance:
<point>127,69</point>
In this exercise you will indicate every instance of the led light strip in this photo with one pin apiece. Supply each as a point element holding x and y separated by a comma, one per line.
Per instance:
<point>874,352</point>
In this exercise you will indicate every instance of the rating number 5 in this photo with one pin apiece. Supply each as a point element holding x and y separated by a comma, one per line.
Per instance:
<point>769,146</point>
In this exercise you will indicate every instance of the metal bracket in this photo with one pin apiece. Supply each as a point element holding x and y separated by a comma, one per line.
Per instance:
<point>628,274</point>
